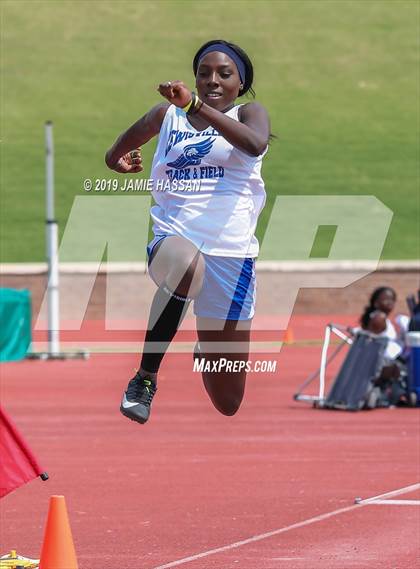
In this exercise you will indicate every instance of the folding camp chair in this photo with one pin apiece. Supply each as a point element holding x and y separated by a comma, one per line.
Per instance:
<point>361,366</point>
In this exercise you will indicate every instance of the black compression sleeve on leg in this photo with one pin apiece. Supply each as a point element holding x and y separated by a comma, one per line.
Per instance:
<point>166,314</point>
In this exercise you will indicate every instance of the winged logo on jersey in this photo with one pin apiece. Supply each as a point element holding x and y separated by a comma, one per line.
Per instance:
<point>192,154</point>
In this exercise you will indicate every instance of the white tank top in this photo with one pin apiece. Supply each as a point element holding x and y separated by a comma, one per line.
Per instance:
<point>205,189</point>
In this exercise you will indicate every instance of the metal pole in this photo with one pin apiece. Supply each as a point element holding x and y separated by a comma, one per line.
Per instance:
<point>52,248</point>
<point>323,362</point>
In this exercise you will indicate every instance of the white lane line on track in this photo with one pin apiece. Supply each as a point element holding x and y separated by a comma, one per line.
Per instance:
<point>279,531</point>
<point>396,502</point>
<point>405,490</point>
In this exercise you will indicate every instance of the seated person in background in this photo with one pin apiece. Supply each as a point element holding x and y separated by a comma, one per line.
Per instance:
<point>414,308</point>
<point>377,320</point>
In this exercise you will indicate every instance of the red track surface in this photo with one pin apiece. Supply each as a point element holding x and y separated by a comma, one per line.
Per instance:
<point>265,328</point>
<point>192,480</point>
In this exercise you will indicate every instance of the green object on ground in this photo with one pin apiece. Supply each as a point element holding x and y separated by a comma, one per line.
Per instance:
<point>15,324</point>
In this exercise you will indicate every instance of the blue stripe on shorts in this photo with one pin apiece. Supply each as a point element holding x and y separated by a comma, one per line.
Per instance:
<point>229,287</point>
<point>228,291</point>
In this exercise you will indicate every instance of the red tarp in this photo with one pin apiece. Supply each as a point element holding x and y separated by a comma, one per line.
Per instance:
<point>18,465</point>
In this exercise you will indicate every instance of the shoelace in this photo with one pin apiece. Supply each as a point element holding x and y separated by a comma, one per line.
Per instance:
<point>141,390</point>
<point>150,389</point>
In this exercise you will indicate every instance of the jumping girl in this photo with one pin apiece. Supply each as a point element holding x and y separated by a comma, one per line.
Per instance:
<point>204,247</point>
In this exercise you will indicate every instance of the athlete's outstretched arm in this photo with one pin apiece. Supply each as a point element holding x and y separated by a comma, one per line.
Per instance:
<point>251,134</point>
<point>118,156</point>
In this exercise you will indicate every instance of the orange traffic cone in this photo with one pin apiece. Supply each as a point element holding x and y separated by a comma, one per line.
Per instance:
<point>58,549</point>
<point>289,336</point>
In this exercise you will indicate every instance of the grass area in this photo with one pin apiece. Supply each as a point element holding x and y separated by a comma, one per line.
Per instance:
<point>340,80</point>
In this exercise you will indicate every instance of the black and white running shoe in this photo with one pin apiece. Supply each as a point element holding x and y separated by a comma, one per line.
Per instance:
<point>137,399</point>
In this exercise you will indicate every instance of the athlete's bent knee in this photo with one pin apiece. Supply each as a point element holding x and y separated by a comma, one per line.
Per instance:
<point>187,276</point>
<point>228,407</point>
